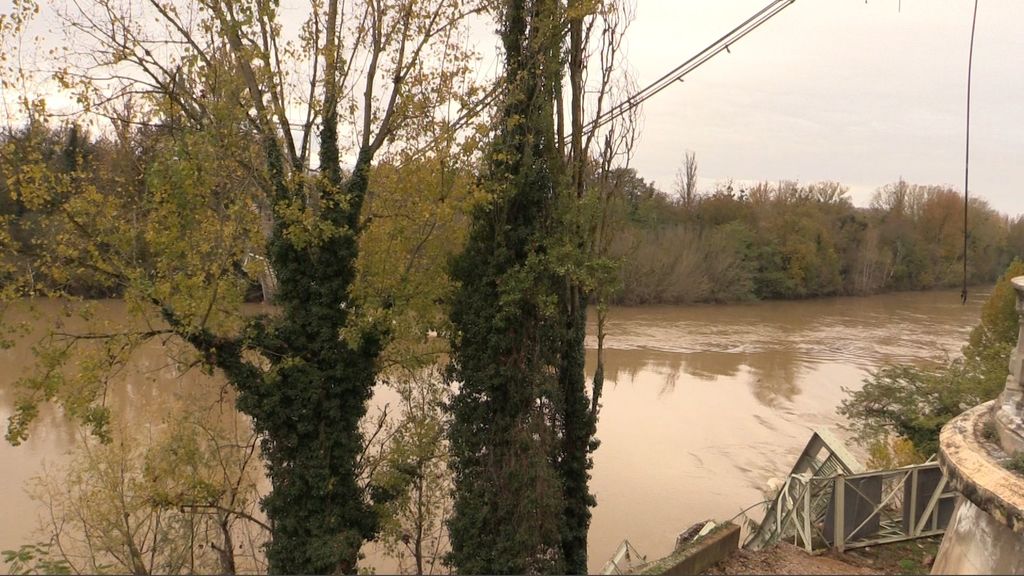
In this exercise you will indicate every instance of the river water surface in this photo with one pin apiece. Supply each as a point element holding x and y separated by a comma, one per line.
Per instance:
<point>703,405</point>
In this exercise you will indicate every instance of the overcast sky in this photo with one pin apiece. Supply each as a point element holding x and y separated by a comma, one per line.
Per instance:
<point>848,90</point>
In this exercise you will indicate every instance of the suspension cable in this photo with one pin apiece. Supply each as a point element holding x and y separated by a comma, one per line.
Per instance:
<point>677,73</point>
<point>967,156</point>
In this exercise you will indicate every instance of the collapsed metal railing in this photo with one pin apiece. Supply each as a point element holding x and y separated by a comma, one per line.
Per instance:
<point>823,456</point>
<point>825,504</point>
<point>625,560</point>
<point>887,506</point>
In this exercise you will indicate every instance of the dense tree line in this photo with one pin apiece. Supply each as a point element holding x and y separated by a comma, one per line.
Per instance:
<point>786,240</point>
<point>767,241</point>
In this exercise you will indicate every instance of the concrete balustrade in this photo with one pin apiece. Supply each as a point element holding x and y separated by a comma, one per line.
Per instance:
<point>1009,408</point>
<point>986,534</point>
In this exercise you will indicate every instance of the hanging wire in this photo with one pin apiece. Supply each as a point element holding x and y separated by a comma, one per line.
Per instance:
<point>677,73</point>
<point>634,100</point>
<point>967,157</point>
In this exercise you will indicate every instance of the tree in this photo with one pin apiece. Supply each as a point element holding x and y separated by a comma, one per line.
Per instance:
<point>523,420</point>
<point>415,469</point>
<point>686,180</point>
<point>506,324</point>
<point>230,182</point>
<point>180,498</point>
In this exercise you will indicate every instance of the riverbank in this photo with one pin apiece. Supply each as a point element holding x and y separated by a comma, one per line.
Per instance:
<point>784,559</point>
<point>984,287</point>
<point>911,557</point>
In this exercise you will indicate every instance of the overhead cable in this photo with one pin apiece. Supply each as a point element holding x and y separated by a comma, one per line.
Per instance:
<point>677,73</point>
<point>967,146</point>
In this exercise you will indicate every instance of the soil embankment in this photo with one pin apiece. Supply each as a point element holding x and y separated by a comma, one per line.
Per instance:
<point>784,559</point>
<point>910,557</point>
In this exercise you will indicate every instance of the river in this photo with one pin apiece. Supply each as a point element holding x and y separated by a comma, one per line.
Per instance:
<point>703,405</point>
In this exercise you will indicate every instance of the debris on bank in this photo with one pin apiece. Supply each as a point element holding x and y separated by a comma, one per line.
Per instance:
<point>827,504</point>
<point>709,548</point>
<point>784,558</point>
<point>697,548</point>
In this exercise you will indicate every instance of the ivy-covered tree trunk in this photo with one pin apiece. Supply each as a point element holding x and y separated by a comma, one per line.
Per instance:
<point>522,424</point>
<point>579,413</point>
<point>579,427</point>
<point>310,403</point>
<point>307,405</point>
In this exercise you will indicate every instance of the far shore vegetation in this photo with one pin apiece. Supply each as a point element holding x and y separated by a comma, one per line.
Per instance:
<point>766,241</point>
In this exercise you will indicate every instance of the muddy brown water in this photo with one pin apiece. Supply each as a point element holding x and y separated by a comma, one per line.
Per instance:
<point>703,405</point>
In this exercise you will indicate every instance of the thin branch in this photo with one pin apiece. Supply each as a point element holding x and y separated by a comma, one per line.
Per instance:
<point>217,507</point>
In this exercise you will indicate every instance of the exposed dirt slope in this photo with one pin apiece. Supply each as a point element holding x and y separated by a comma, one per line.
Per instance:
<point>784,559</point>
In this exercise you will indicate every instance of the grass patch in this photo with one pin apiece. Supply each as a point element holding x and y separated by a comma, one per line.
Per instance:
<point>908,557</point>
<point>911,566</point>
<point>988,431</point>
<point>1015,463</point>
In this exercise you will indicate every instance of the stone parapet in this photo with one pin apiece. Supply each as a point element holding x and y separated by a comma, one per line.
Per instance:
<point>986,534</point>
<point>1008,418</point>
<point>972,465</point>
<point>1008,411</point>
<point>975,543</point>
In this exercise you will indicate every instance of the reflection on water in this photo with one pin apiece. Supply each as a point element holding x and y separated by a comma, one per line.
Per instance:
<point>775,377</point>
<point>774,374</point>
<point>702,406</point>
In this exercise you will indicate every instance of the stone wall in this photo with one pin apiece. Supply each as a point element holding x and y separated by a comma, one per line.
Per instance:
<point>986,533</point>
